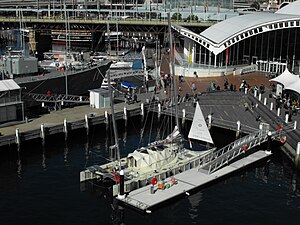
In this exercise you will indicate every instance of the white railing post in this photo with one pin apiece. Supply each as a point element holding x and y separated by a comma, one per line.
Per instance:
<point>286,118</point>
<point>265,101</point>
<point>209,120</point>
<point>271,106</point>
<point>183,116</point>
<point>278,112</point>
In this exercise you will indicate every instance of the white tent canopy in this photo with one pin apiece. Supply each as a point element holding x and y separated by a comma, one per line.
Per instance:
<point>295,86</point>
<point>286,78</point>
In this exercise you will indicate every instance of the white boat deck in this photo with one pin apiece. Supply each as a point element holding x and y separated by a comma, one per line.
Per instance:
<point>142,199</point>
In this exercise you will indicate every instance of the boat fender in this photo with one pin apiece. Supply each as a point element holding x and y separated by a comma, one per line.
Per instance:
<point>154,181</point>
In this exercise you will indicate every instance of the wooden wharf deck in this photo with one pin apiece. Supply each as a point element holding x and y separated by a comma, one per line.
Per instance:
<point>188,181</point>
<point>54,122</point>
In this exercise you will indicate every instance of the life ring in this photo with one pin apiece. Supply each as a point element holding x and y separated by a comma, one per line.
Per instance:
<point>283,139</point>
<point>154,181</point>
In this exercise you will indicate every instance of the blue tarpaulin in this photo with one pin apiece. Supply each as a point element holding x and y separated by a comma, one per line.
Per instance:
<point>128,85</point>
<point>137,64</point>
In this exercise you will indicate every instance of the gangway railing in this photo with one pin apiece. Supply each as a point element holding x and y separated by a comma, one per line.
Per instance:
<point>217,159</point>
<point>59,98</point>
<point>120,73</point>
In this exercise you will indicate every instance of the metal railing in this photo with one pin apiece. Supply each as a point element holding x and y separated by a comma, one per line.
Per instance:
<point>215,160</point>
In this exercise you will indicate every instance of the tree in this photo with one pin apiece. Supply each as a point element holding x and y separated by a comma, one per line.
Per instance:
<point>192,18</point>
<point>176,16</point>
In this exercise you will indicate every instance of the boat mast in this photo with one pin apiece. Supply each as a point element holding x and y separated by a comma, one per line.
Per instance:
<point>112,104</point>
<point>173,72</point>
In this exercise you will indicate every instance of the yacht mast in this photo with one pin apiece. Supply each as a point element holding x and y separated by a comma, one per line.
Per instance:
<point>112,104</point>
<point>173,72</point>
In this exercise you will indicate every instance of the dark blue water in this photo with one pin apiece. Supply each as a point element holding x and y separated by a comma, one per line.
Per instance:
<point>41,186</point>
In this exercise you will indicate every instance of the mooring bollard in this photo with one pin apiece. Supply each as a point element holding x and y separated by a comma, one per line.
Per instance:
<point>106,117</point>
<point>125,113</point>
<point>269,143</point>
<point>259,97</point>
<point>18,142</point>
<point>66,128</point>
<point>43,133</point>
<point>278,112</point>
<point>86,119</point>
<point>142,109</point>
<point>209,120</point>
<point>271,106</point>
<point>183,116</point>
<point>159,110</point>
<point>265,101</point>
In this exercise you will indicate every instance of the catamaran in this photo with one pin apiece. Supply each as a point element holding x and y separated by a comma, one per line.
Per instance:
<point>159,160</point>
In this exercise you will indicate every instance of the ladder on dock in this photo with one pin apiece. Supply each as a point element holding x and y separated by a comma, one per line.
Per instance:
<point>215,160</point>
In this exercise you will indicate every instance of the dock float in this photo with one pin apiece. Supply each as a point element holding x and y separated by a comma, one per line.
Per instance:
<point>143,200</point>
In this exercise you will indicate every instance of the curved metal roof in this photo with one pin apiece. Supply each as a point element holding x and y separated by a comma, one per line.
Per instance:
<point>229,32</point>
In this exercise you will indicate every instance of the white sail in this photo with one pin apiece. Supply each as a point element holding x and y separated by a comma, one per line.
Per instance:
<point>199,130</point>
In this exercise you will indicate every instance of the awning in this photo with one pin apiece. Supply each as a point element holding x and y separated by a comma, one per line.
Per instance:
<point>286,78</point>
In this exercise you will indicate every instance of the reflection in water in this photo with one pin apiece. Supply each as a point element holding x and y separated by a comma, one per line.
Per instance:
<point>66,153</point>
<point>44,165</point>
<point>19,165</point>
<point>117,213</point>
<point>195,201</point>
<point>263,172</point>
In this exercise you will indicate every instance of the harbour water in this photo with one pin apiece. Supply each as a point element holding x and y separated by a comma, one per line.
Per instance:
<point>40,185</point>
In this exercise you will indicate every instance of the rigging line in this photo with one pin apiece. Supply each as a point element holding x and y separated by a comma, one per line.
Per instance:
<point>143,128</point>
<point>151,126</point>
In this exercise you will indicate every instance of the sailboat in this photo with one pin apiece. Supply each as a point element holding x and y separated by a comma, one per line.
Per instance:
<point>39,77</point>
<point>158,160</point>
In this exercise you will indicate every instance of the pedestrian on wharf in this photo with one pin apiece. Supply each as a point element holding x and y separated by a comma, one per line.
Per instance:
<point>194,87</point>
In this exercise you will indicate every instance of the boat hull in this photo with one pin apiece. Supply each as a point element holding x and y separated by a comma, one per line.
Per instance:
<point>79,82</point>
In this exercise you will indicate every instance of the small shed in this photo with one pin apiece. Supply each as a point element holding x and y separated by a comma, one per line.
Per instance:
<point>11,106</point>
<point>99,98</point>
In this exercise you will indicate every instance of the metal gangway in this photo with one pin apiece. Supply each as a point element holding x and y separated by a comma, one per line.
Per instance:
<point>215,160</point>
<point>120,73</point>
<point>58,99</point>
